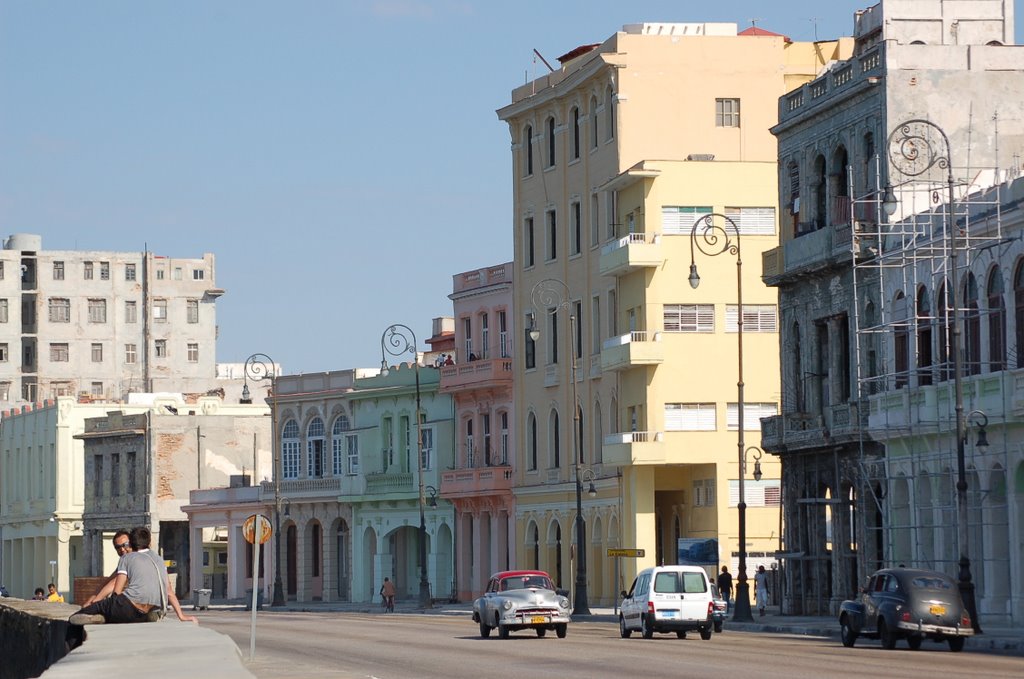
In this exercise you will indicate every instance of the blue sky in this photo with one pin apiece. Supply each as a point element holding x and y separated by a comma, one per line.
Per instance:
<point>341,159</point>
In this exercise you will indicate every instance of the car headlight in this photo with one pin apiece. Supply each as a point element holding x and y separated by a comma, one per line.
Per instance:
<point>507,605</point>
<point>563,602</point>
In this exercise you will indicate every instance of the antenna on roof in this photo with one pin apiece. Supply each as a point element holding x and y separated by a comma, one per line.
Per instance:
<point>753,22</point>
<point>814,20</point>
<point>543,59</point>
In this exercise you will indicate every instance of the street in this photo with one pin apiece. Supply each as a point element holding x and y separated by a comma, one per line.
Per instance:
<point>357,645</point>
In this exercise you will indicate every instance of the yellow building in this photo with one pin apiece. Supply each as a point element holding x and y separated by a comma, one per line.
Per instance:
<point>616,155</point>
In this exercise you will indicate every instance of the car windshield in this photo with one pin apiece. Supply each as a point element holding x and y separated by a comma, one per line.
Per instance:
<point>931,582</point>
<point>526,582</point>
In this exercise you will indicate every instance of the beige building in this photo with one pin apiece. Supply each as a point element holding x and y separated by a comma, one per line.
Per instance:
<point>103,324</point>
<point>616,155</point>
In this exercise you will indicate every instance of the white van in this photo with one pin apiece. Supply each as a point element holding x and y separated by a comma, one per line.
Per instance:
<point>668,599</point>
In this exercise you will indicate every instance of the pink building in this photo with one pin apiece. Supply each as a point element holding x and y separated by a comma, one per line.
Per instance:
<point>479,379</point>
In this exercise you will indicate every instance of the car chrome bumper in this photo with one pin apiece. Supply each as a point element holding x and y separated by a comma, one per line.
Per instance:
<point>944,630</point>
<point>529,619</point>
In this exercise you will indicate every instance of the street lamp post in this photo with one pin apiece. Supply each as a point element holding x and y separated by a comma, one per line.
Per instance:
<point>715,240</point>
<point>396,340</point>
<point>551,293</point>
<point>260,367</point>
<point>913,153</point>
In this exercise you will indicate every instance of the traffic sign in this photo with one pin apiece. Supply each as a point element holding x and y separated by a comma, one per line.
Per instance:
<point>249,528</point>
<point>629,553</point>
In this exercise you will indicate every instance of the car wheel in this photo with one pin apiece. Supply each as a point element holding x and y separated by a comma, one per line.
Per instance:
<point>956,644</point>
<point>718,626</point>
<point>561,630</point>
<point>645,628</point>
<point>887,637</point>
<point>914,641</point>
<point>681,634</point>
<point>846,633</point>
<point>541,632</point>
<point>502,632</point>
<point>485,630</point>
<point>623,631</point>
<point>705,632</point>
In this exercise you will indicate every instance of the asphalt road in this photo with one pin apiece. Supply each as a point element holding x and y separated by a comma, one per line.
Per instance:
<point>293,645</point>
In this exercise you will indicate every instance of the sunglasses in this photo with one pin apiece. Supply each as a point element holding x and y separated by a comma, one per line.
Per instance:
<point>123,545</point>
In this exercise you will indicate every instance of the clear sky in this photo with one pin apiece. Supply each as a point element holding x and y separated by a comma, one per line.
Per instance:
<point>341,159</point>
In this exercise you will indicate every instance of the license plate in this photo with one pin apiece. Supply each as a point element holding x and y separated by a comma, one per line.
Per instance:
<point>538,620</point>
<point>937,610</point>
<point>668,614</point>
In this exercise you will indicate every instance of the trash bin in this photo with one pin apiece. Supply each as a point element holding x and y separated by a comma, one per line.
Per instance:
<point>248,600</point>
<point>201,599</point>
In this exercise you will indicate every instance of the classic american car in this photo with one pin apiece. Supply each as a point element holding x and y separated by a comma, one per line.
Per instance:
<point>907,603</point>
<point>516,600</point>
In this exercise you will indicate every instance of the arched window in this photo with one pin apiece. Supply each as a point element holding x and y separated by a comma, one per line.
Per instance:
<point>315,449</point>
<point>535,545</point>
<point>580,441</point>
<point>1018,312</point>
<point>469,443</point>
<point>871,348</point>
<point>793,174</point>
<point>609,108</point>
<point>531,435</point>
<point>528,149</point>
<point>575,132</point>
<point>338,433</point>
<point>841,205</point>
<point>598,435</point>
<point>503,434</point>
<point>290,450</point>
<point>593,122</point>
<point>996,321</point>
<point>972,327</point>
<point>820,186</point>
<point>554,440</point>
<point>924,338</point>
<point>551,141</point>
<point>943,324</point>
<point>798,371</point>
<point>901,340</point>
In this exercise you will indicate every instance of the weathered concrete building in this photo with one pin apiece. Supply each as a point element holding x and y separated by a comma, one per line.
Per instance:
<point>865,304</point>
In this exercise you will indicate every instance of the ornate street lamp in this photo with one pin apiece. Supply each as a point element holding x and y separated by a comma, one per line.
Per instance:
<point>714,240</point>
<point>913,152</point>
<point>551,293</point>
<point>397,340</point>
<point>259,367</point>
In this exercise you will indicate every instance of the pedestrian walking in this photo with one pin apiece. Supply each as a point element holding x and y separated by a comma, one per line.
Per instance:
<point>725,585</point>
<point>761,589</point>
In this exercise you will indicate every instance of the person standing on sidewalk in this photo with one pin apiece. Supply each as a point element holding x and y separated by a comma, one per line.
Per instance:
<point>761,589</point>
<point>725,585</point>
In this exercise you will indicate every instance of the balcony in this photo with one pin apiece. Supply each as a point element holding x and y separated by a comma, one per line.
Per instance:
<point>633,448</point>
<point>382,484</point>
<point>637,348</point>
<point>474,374</point>
<point>629,253</point>
<point>476,481</point>
<point>791,432</point>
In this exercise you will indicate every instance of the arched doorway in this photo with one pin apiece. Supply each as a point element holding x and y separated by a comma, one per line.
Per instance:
<point>445,585</point>
<point>342,555</point>
<point>292,539</point>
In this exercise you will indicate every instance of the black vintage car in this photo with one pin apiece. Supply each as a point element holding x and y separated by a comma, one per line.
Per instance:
<point>907,603</point>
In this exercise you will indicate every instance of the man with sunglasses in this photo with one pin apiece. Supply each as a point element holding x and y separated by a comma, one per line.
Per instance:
<point>122,545</point>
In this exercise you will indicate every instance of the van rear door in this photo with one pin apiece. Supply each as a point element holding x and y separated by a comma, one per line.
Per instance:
<point>696,593</point>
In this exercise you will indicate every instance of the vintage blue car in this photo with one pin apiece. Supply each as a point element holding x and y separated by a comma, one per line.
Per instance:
<point>907,603</point>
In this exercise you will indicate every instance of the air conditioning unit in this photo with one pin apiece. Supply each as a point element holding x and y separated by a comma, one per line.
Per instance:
<point>701,156</point>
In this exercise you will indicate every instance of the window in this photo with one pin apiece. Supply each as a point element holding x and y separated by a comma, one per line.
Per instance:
<point>97,476</point>
<point>115,474</point>
<point>552,335</point>
<point>752,414</point>
<point>104,271</point>
<point>61,388</point>
<point>60,310</point>
<point>338,452</point>
<point>3,359</point>
<point>427,447</point>
<point>160,310</point>
<point>485,335</point>
<point>575,132</point>
<point>528,243</point>
<point>1018,312</point>
<point>193,352</point>
<point>160,348</point>
<point>552,233</point>
<point>679,219</point>
<point>290,450</point>
<point>752,221</point>
<point>130,473</point>
<point>470,461</point>
<point>595,222</point>
<point>551,141</point>
<point>756,318</point>
<point>97,311</point>
<point>689,318</point>
<point>177,273</point>
<point>611,214</point>
<point>59,352</point>
<point>528,149</point>
<point>160,274</point>
<point>609,108</point>
<point>996,322</point>
<point>690,417</point>
<point>58,271</point>
<point>503,334</point>
<point>198,274</point>
<point>315,448</point>
<point>130,353</point>
<point>504,438</point>
<point>192,310</point>
<point>727,112</point>
<point>578,330</point>
<point>577,228</point>
<point>1,270</point>
<point>763,493</point>
<point>352,446</point>
<point>97,352</point>
<point>131,312</point>
<point>595,324</point>
<point>972,327</point>
<point>593,122</point>
<point>530,350</point>
<point>554,440</point>
<point>87,271</point>
<point>129,272</point>
<point>531,435</point>
<point>703,492</point>
<point>3,311</point>
<point>467,336</point>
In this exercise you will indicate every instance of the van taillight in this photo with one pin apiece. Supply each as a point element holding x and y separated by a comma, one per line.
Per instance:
<point>965,619</point>
<point>650,607</point>
<point>711,607</point>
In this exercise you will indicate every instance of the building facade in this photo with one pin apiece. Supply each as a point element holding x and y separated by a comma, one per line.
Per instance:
<point>866,312</point>
<point>479,380</point>
<point>628,380</point>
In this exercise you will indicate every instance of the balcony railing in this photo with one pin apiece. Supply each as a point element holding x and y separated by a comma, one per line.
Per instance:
<point>632,251</point>
<point>633,447</point>
<point>636,348</point>
<point>476,481</point>
<point>389,483</point>
<point>487,372</point>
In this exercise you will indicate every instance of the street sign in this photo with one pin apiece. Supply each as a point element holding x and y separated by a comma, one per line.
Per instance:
<point>249,528</point>
<point>628,553</point>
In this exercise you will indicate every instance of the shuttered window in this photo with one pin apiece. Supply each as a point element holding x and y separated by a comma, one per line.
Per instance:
<point>764,493</point>
<point>679,220</point>
<point>752,414</point>
<point>689,318</point>
<point>753,221</point>
<point>690,417</point>
<point>756,318</point>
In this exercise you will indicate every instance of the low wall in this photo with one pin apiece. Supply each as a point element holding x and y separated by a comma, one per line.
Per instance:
<point>33,636</point>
